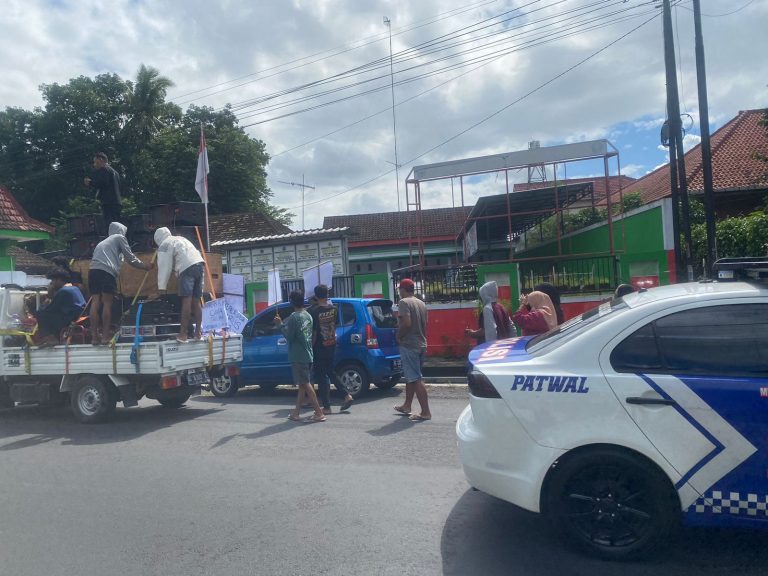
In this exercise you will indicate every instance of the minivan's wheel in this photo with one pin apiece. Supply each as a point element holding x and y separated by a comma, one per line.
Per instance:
<point>91,401</point>
<point>173,403</point>
<point>355,379</point>
<point>388,383</point>
<point>222,385</point>
<point>612,503</point>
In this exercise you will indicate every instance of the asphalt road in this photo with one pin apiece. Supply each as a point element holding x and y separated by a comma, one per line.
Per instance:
<point>233,488</point>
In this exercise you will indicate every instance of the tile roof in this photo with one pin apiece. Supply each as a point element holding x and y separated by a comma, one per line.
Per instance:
<point>29,262</point>
<point>735,166</point>
<point>395,225</point>
<point>288,236</point>
<point>14,217</point>
<point>229,227</point>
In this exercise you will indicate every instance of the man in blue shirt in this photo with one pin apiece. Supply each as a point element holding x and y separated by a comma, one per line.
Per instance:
<point>66,306</point>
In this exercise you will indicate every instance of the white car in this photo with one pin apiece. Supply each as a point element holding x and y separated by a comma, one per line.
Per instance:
<point>639,414</point>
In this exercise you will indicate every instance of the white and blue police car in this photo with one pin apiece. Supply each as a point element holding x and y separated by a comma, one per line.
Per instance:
<point>637,415</point>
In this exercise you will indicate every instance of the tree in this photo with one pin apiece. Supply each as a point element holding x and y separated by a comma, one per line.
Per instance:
<point>148,112</point>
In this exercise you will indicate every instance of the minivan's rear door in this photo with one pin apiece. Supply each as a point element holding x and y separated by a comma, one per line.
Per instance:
<point>384,324</point>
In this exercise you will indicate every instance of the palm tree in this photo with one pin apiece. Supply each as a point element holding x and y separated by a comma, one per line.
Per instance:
<point>147,106</point>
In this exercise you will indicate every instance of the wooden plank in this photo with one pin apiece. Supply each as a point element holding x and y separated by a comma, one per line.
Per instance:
<point>130,277</point>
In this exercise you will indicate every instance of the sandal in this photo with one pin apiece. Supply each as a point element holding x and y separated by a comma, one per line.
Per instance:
<point>346,405</point>
<point>418,418</point>
<point>315,418</point>
<point>294,418</point>
<point>402,411</point>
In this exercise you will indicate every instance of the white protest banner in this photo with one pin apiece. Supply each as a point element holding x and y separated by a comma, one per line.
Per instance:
<point>215,315</point>
<point>237,320</point>
<point>274,291</point>
<point>319,274</point>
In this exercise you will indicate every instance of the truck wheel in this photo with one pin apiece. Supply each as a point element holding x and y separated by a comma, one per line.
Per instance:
<point>612,504</point>
<point>91,401</point>
<point>173,403</point>
<point>355,379</point>
<point>223,386</point>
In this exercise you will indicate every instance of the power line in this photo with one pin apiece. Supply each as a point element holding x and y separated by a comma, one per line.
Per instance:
<point>497,112</point>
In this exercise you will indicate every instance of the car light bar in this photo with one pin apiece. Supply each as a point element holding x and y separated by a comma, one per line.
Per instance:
<point>480,386</point>
<point>741,269</point>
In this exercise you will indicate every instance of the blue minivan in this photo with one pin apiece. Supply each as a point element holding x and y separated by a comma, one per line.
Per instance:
<point>366,349</point>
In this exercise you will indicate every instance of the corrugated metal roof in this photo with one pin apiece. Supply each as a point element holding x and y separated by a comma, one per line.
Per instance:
<point>290,236</point>
<point>401,225</point>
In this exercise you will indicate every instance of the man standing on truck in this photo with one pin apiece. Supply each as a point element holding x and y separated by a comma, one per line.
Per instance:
<point>105,267</point>
<point>177,254</point>
<point>65,307</point>
<point>324,317</point>
<point>106,181</point>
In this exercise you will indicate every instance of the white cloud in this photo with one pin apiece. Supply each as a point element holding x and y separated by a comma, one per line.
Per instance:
<point>199,44</point>
<point>690,140</point>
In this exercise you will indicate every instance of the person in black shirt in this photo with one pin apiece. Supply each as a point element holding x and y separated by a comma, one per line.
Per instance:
<point>324,316</point>
<point>106,181</point>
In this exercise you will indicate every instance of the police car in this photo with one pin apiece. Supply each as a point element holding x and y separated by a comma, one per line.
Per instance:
<point>644,412</point>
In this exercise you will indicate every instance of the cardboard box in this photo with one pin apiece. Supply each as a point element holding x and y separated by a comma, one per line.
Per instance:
<point>131,278</point>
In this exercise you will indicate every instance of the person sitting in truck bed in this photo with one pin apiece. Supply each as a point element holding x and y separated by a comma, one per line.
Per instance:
<point>107,260</point>
<point>176,253</point>
<point>66,306</point>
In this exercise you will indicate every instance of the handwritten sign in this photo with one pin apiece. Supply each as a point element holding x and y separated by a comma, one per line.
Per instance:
<point>314,275</point>
<point>220,315</point>
<point>274,291</point>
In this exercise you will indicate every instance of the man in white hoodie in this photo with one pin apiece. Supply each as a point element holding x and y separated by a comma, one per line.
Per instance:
<point>177,254</point>
<point>108,257</point>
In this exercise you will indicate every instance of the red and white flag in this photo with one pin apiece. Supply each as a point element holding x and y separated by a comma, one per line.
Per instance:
<point>201,181</point>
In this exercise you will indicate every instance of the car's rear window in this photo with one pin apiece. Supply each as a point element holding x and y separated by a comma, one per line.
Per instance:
<point>576,325</point>
<point>381,312</point>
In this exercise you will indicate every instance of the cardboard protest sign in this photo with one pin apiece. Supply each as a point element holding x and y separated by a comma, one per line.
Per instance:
<point>319,274</point>
<point>274,291</point>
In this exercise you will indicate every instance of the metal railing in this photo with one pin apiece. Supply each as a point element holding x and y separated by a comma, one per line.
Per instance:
<point>576,276</point>
<point>440,284</point>
<point>343,287</point>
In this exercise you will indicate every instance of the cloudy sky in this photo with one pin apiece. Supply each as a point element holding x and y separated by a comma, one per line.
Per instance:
<point>312,79</point>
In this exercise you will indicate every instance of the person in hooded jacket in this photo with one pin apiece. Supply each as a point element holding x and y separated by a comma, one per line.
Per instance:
<point>108,257</point>
<point>177,254</point>
<point>494,320</point>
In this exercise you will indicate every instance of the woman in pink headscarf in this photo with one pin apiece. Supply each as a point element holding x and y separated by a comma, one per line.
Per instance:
<point>536,314</point>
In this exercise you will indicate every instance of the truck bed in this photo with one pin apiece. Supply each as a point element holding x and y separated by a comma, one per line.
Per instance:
<point>153,357</point>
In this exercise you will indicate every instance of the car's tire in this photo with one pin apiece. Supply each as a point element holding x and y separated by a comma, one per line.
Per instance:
<point>91,400</point>
<point>354,377</point>
<point>223,386</point>
<point>173,403</point>
<point>388,383</point>
<point>612,503</point>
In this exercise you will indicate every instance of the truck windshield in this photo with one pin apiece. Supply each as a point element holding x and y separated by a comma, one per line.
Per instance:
<point>567,330</point>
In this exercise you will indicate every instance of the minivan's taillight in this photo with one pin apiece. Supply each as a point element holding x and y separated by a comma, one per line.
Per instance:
<point>370,337</point>
<point>480,386</point>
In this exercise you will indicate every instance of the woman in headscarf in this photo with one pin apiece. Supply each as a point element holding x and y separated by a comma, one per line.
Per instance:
<point>494,320</point>
<point>554,295</point>
<point>540,318</point>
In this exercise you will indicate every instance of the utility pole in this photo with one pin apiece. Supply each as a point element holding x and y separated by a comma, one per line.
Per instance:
<point>706,149</point>
<point>303,188</point>
<point>678,175</point>
<point>394,117</point>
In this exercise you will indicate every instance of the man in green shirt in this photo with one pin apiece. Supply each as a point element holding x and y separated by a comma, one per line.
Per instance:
<point>298,331</point>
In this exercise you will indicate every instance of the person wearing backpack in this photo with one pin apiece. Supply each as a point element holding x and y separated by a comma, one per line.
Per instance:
<point>494,320</point>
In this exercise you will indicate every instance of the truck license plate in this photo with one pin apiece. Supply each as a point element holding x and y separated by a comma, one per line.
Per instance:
<point>197,377</point>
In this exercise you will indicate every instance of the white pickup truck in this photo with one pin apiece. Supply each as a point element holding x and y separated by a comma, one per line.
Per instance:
<point>94,378</point>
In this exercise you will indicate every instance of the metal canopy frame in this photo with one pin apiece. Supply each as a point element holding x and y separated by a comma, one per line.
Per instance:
<point>508,215</point>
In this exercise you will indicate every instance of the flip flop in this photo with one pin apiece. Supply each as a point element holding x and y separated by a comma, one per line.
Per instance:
<point>418,418</point>
<point>346,405</point>
<point>294,418</point>
<point>402,411</point>
<point>314,418</point>
<point>180,341</point>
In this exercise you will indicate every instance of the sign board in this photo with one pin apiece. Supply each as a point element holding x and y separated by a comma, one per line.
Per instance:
<point>233,284</point>
<point>319,274</point>
<point>274,291</point>
<point>219,315</point>
<point>471,240</point>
